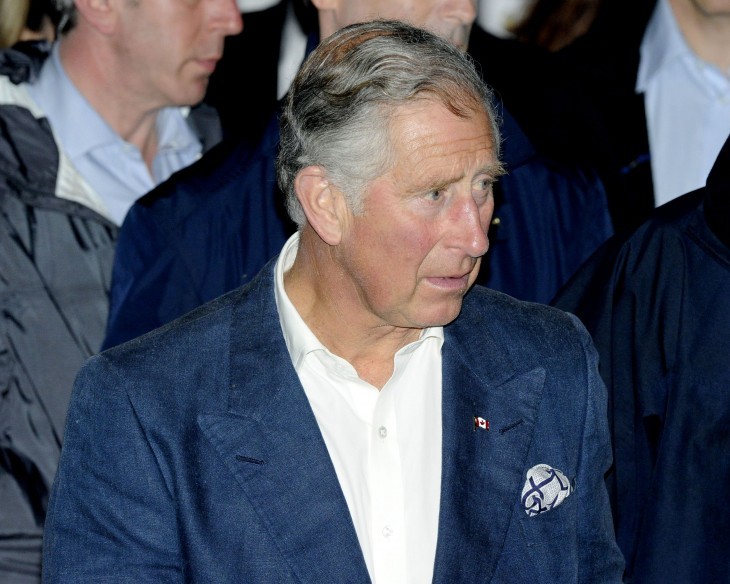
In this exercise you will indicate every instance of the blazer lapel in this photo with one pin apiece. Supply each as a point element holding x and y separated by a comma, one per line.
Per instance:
<point>482,469</point>
<point>270,441</point>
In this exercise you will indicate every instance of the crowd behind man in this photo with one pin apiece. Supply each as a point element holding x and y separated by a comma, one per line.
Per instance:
<point>212,227</point>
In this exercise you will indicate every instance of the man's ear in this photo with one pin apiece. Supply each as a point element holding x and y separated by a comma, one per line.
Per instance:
<point>325,4</point>
<point>323,203</point>
<point>328,12</point>
<point>100,14</point>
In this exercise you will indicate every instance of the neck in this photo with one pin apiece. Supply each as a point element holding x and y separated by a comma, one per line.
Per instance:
<point>706,33</point>
<point>98,80</point>
<point>347,330</point>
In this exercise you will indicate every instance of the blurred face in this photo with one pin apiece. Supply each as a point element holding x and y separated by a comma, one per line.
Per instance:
<point>171,47</point>
<point>413,253</point>
<point>450,19</point>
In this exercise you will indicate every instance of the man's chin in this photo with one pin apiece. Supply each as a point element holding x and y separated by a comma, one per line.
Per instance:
<point>444,316</point>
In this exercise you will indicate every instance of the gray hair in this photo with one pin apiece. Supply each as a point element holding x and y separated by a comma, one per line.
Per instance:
<point>338,110</point>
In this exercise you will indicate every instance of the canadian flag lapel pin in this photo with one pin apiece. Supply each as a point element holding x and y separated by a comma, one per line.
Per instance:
<point>480,423</point>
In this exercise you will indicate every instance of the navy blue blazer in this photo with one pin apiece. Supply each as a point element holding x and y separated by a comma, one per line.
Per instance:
<point>192,455</point>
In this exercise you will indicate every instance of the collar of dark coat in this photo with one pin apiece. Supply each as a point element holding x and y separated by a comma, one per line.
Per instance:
<point>24,60</point>
<point>717,197</point>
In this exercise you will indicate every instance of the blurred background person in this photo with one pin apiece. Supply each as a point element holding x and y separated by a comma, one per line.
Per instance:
<point>245,90</point>
<point>85,128</point>
<point>554,24</point>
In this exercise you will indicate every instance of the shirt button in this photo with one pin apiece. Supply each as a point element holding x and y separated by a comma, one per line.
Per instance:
<point>383,432</point>
<point>387,531</point>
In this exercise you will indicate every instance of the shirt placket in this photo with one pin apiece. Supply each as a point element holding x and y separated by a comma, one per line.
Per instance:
<point>386,492</point>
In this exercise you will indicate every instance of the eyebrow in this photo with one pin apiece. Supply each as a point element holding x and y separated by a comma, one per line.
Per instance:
<point>494,170</point>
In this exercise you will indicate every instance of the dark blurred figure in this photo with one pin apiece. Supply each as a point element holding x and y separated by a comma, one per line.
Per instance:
<point>656,304</point>
<point>554,24</point>
<point>245,88</point>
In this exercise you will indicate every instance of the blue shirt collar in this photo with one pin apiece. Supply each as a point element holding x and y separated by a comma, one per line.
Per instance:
<point>663,43</point>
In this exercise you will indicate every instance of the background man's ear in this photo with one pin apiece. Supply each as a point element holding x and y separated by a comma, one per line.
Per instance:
<point>329,16</point>
<point>101,14</point>
<point>325,4</point>
<point>323,203</point>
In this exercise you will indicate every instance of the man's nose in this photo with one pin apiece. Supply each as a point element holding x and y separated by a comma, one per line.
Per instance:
<point>469,229</point>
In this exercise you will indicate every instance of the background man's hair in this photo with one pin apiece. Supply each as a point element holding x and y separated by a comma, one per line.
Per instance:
<point>338,110</point>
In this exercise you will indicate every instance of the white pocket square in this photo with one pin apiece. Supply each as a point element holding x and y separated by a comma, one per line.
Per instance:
<point>545,488</point>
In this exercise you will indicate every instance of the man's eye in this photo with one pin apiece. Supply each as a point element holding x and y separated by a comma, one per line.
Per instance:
<point>483,188</point>
<point>485,184</point>
<point>434,195</point>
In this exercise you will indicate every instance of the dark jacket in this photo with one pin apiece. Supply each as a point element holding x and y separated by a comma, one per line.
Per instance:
<point>192,455</point>
<point>656,303</point>
<point>212,226</point>
<point>55,273</point>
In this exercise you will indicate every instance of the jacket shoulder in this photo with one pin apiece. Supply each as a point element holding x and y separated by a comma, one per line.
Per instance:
<point>530,334</point>
<point>484,307</point>
<point>213,183</point>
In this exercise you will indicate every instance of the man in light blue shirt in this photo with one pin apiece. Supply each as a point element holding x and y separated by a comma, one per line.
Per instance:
<point>112,166</point>
<point>84,132</point>
<point>684,75</point>
<point>116,97</point>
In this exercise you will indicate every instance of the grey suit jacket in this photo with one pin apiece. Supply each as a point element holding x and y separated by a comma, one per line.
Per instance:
<point>192,455</point>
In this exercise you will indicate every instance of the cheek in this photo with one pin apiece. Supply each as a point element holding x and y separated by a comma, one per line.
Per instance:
<point>400,251</point>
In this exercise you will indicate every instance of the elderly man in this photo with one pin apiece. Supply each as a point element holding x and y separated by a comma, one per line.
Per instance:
<point>81,137</point>
<point>356,413</point>
<point>213,226</point>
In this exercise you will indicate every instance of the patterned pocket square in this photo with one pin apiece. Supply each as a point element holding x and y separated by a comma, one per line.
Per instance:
<point>545,488</point>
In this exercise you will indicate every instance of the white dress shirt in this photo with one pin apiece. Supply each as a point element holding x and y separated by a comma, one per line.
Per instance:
<point>687,107</point>
<point>385,445</point>
<point>114,168</point>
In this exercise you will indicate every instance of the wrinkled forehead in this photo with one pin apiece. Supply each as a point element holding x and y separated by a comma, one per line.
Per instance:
<point>431,144</point>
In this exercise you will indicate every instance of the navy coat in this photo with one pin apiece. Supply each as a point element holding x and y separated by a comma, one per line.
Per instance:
<point>657,304</point>
<point>192,455</point>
